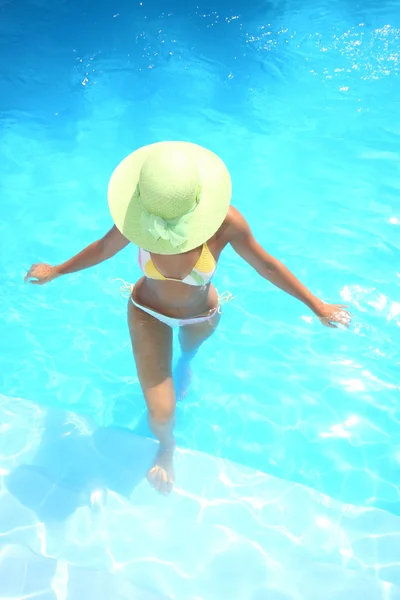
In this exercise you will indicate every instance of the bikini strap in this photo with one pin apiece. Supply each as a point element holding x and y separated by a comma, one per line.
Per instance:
<point>126,288</point>
<point>223,299</point>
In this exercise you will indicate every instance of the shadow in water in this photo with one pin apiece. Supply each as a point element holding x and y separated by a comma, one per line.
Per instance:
<point>73,463</point>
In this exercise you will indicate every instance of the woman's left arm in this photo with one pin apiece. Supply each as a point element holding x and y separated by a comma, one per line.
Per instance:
<point>244,243</point>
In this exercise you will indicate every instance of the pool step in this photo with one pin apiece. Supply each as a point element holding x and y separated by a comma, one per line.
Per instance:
<point>24,574</point>
<point>78,495</point>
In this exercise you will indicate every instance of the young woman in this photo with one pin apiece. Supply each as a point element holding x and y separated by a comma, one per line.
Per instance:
<point>172,199</point>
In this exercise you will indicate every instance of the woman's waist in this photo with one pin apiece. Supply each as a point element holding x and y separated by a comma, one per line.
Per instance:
<point>173,300</point>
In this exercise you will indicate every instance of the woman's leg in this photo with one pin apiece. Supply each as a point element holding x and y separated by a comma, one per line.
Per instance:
<point>152,348</point>
<point>191,337</point>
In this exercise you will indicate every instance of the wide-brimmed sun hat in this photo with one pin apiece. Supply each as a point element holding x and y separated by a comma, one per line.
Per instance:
<point>170,197</point>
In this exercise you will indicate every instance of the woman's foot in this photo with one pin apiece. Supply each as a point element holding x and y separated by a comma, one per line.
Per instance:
<point>161,476</point>
<point>183,378</point>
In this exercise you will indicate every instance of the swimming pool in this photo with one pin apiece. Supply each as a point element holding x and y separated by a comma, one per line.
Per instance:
<point>301,101</point>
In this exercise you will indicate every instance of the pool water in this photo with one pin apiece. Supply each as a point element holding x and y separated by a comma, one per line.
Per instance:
<point>301,100</point>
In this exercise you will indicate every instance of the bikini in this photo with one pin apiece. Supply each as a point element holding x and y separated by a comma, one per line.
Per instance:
<point>200,275</point>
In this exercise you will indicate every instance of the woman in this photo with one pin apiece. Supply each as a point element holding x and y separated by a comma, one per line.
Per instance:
<point>172,199</point>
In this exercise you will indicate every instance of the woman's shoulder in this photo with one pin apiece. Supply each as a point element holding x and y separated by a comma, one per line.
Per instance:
<point>234,221</point>
<point>234,217</point>
<point>233,224</point>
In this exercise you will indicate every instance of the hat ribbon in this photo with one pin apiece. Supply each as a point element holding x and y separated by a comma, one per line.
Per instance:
<point>174,231</point>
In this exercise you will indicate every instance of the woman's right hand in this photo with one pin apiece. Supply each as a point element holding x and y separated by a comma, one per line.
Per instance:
<point>40,273</point>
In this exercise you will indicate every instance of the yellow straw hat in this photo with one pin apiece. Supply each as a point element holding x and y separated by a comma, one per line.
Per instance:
<point>170,197</point>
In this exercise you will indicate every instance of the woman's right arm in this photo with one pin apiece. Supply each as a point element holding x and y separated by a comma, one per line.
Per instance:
<point>94,254</point>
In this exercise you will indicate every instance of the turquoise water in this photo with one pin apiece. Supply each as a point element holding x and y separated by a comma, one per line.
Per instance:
<point>301,100</point>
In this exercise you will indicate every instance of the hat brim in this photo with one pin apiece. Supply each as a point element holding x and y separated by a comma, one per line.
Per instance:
<point>126,210</point>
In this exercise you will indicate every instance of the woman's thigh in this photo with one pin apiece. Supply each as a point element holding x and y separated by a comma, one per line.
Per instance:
<point>152,349</point>
<point>192,336</point>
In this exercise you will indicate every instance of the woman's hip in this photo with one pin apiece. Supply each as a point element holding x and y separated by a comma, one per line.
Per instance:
<point>173,321</point>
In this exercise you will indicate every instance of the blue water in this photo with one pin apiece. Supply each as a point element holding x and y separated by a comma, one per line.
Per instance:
<point>301,100</point>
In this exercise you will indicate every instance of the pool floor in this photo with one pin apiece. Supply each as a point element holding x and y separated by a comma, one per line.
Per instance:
<point>78,520</point>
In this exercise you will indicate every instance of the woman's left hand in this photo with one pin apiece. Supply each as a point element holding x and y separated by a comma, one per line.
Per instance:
<point>332,315</point>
